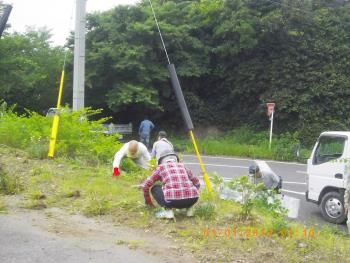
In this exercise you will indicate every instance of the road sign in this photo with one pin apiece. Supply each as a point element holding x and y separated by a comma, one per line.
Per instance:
<point>270,113</point>
<point>270,108</point>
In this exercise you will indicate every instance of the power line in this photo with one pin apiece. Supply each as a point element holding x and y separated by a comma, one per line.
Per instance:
<point>160,34</point>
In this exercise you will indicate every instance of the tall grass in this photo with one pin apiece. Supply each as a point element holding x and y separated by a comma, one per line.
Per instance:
<point>246,143</point>
<point>78,137</point>
<point>92,191</point>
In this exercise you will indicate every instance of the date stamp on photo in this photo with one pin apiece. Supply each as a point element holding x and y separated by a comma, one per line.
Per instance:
<point>251,232</point>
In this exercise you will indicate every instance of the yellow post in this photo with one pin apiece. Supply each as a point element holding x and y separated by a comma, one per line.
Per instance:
<point>56,120</point>
<point>60,90</point>
<point>205,174</point>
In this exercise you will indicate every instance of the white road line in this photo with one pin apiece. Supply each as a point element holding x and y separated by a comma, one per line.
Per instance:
<point>231,178</point>
<point>293,192</point>
<point>301,172</point>
<point>293,183</point>
<point>224,178</point>
<point>220,165</point>
<point>244,159</point>
<point>227,179</point>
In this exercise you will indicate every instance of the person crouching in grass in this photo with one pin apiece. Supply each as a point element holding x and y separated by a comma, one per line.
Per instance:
<point>179,189</point>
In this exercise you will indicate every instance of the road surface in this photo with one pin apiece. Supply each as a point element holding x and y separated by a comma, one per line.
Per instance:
<point>53,235</point>
<point>293,175</point>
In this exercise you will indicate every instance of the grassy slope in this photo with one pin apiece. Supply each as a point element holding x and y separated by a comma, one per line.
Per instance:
<point>245,143</point>
<point>92,191</point>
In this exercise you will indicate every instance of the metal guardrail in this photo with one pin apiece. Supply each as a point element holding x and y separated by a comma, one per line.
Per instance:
<point>124,129</point>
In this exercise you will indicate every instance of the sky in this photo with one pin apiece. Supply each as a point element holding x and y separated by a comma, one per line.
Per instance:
<point>57,15</point>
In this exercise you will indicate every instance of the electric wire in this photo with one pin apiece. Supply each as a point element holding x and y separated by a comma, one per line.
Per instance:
<point>160,33</point>
<point>69,30</point>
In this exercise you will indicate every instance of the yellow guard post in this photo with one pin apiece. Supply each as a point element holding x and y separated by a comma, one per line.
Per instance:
<point>205,174</point>
<point>56,120</point>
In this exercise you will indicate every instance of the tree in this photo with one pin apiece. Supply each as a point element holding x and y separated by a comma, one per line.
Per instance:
<point>30,70</point>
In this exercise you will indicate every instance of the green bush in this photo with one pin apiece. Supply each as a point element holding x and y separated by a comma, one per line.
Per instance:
<point>254,197</point>
<point>78,137</point>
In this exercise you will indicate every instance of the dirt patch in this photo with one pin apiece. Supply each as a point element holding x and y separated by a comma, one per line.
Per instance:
<point>98,232</point>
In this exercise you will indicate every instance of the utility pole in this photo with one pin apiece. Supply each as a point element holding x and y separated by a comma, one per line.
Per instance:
<point>79,55</point>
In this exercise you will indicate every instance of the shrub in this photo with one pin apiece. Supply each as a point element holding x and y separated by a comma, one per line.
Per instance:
<point>252,196</point>
<point>78,137</point>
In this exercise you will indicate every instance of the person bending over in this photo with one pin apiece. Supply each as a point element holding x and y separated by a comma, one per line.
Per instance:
<point>135,150</point>
<point>161,145</point>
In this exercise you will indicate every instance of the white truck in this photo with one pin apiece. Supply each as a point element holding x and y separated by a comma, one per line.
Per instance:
<point>328,173</point>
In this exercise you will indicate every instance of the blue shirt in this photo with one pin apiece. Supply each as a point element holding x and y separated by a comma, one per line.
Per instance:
<point>145,127</point>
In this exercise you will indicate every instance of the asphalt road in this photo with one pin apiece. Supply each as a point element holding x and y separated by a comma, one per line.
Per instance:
<point>21,241</point>
<point>293,175</point>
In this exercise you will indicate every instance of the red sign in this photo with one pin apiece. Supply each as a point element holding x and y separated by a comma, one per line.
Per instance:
<point>270,108</point>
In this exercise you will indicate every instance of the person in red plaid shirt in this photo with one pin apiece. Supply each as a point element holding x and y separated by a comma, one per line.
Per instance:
<point>179,189</point>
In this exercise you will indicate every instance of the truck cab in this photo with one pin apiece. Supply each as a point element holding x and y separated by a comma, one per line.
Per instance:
<point>328,174</point>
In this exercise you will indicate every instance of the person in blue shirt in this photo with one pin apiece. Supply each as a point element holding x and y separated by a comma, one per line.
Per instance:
<point>145,129</point>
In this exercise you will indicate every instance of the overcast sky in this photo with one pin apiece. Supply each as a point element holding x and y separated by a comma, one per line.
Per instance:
<point>54,14</point>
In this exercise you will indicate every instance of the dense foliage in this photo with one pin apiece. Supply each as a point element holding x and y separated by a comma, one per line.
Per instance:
<point>30,70</point>
<point>78,138</point>
<point>231,57</point>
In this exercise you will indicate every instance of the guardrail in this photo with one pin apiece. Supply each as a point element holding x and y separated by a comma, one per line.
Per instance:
<point>123,129</point>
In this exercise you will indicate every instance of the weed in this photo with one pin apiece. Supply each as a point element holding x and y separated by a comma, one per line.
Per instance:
<point>96,205</point>
<point>100,193</point>
<point>205,210</point>
<point>248,192</point>
<point>280,226</point>
<point>10,184</point>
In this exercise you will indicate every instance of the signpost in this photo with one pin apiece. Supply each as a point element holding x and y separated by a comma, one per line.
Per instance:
<point>270,112</point>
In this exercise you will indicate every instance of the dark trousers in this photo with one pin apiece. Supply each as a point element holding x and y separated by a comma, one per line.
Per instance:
<point>158,195</point>
<point>144,138</point>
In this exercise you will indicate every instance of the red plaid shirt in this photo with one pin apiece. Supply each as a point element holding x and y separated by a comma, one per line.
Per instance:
<point>178,181</point>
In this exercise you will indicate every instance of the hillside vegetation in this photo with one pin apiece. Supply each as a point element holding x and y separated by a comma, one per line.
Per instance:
<point>80,181</point>
<point>231,57</point>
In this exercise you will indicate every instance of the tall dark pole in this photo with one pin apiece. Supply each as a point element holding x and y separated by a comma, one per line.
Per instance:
<point>4,17</point>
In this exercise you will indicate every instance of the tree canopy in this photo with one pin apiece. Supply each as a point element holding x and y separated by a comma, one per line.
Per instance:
<point>231,57</point>
<point>30,70</point>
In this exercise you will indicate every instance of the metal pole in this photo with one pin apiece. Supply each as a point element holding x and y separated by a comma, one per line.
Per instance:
<point>4,17</point>
<point>56,120</point>
<point>205,174</point>
<point>271,125</point>
<point>79,55</point>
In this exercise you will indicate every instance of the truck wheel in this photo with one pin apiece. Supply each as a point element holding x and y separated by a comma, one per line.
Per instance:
<point>332,208</point>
